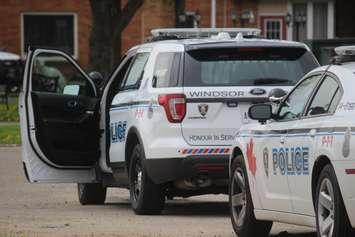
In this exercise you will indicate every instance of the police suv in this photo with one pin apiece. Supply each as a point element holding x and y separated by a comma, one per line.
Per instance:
<point>298,164</point>
<point>163,123</point>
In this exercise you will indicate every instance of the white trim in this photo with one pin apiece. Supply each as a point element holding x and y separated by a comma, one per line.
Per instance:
<point>289,31</point>
<point>309,20</point>
<point>75,29</point>
<point>331,19</point>
<point>266,19</point>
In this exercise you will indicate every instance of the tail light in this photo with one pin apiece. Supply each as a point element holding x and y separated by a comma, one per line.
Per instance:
<point>174,106</point>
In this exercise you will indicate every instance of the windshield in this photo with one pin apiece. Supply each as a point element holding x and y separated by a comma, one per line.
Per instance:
<point>282,66</point>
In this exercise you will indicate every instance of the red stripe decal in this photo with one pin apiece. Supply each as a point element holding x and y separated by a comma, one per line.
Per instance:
<point>350,171</point>
<point>226,150</point>
<point>217,150</point>
<point>195,150</point>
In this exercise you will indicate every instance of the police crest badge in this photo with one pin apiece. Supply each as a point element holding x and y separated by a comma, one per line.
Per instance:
<point>203,109</point>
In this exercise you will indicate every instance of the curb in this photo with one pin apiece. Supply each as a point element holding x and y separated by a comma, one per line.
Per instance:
<point>9,145</point>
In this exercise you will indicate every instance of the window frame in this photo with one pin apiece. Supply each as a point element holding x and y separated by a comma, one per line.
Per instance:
<point>34,13</point>
<point>267,20</point>
<point>309,102</point>
<point>177,64</point>
<point>135,86</point>
<point>308,99</point>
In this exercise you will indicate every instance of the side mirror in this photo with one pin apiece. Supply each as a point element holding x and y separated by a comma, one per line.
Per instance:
<point>276,95</point>
<point>97,78</point>
<point>260,112</point>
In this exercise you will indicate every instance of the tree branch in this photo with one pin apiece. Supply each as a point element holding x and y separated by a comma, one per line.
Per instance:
<point>127,14</point>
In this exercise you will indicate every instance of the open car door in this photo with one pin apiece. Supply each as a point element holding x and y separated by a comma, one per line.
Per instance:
<point>59,116</point>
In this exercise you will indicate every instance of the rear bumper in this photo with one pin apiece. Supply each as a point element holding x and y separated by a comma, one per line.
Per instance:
<point>171,169</point>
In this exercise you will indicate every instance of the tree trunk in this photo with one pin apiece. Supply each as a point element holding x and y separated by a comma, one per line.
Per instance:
<point>108,22</point>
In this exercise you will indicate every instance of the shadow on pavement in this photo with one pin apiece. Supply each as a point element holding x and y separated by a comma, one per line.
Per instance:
<point>191,208</point>
<point>286,234</point>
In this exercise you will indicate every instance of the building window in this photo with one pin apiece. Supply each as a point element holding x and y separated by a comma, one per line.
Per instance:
<point>273,29</point>
<point>54,30</point>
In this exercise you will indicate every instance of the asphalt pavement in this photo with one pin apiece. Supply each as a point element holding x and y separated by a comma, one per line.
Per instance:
<point>28,210</point>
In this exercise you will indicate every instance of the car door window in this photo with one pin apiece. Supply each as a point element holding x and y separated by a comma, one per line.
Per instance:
<point>54,73</point>
<point>294,104</point>
<point>326,98</point>
<point>135,72</point>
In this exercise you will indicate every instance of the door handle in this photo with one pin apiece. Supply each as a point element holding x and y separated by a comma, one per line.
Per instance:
<point>282,140</point>
<point>312,133</point>
<point>72,104</point>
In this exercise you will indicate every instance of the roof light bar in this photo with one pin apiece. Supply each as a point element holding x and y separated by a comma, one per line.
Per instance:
<point>188,33</point>
<point>344,54</point>
<point>345,50</point>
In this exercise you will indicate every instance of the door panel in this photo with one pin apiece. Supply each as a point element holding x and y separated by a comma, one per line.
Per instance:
<point>273,184</point>
<point>59,111</point>
<point>67,128</point>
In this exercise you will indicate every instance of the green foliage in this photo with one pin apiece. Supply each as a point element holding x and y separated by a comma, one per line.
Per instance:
<point>10,134</point>
<point>9,115</point>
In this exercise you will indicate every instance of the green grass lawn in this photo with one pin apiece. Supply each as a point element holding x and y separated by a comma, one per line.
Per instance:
<point>10,134</point>
<point>9,115</point>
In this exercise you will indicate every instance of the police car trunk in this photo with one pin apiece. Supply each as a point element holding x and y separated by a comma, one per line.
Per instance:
<point>221,80</point>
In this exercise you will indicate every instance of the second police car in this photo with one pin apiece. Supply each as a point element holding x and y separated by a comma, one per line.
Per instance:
<point>297,165</point>
<point>165,121</point>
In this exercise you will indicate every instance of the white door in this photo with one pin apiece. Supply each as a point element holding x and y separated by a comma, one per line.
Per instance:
<point>276,148</point>
<point>59,119</point>
<point>270,181</point>
<point>304,137</point>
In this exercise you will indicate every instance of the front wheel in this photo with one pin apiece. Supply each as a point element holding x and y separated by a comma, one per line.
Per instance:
<point>147,198</point>
<point>241,205</point>
<point>332,219</point>
<point>91,193</point>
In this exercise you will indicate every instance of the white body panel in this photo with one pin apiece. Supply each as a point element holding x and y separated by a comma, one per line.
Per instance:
<point>328,136</point>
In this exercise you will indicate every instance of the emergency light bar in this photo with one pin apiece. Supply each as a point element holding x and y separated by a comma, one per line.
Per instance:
<point>345,54</point>
<point>190,33</point>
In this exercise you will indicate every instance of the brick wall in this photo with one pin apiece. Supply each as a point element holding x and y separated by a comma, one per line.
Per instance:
<point>153,14</point>
<point>10,21</point>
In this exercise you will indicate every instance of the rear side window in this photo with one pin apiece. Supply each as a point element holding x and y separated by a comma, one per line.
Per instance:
<point>166,70</point>
<point>245,66</point>
<point>326,99</point>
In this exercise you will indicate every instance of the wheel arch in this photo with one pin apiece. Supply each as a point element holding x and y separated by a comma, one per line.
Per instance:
<point>133,138</point>
<point>236,151</point>
<point>318,166</point>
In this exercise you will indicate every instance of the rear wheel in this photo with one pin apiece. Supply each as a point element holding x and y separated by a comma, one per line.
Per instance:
<point>147,198</point>
<point>241,205</point>
<point>332,219</point>
<point>91,193</point>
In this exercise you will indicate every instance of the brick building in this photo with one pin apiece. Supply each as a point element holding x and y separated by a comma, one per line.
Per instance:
<point>67,23</point>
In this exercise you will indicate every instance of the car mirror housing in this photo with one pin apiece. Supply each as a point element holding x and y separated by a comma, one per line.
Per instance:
<point>260,112</point>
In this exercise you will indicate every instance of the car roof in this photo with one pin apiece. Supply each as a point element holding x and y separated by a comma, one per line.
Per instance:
<point>217,43</point>
<point>8,56</point>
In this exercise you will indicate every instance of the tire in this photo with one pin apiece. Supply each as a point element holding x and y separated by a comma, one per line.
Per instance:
<point>241,205</point>
<point>146,197</point>
<point>329,207</point>
<point>91,193</point>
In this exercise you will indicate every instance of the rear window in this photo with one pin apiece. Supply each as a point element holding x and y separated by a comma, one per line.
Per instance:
<point>247,66</point>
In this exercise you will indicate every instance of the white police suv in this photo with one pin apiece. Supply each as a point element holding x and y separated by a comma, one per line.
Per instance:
<point>163,123</point>
<point>298,164</point>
